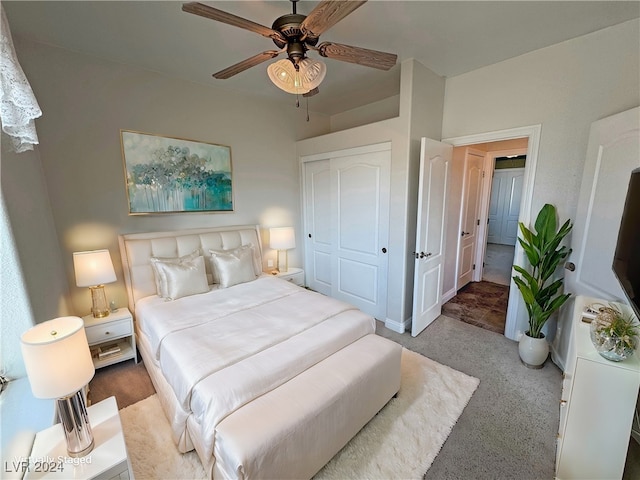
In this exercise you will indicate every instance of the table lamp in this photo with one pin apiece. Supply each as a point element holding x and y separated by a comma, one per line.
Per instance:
<point>59,365</point>
<point>282,238</point>
<point>94,269</point>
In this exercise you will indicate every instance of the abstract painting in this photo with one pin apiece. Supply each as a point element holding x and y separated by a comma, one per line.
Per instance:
<point>175,175</point>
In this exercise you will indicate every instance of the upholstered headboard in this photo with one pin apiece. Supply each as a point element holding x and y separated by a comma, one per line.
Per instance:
<point>136,250</point>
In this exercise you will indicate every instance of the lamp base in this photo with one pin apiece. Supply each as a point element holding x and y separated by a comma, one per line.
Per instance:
<point>75,423</point>
<point>286,262</point>
<point>99,307</point>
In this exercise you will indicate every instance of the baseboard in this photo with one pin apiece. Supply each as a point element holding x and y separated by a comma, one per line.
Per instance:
<point>446,296</point>
<point>398,327</point>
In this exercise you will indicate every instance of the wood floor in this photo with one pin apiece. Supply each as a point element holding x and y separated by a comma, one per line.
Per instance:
<point>483,304</point>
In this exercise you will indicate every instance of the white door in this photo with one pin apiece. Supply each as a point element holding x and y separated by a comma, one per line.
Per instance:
<point>469,218</point>
<point>612,153</point>
<point>346,215</point>
<point>504,205</point>
<point>435,160</point>
<point>360,194</point>
<point>318,244</point>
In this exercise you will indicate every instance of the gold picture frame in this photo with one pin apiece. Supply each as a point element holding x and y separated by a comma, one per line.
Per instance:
<point>175,175</point>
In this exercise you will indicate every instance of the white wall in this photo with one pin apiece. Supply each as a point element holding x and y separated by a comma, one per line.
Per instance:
<point>28,211</point>
<point>373,112</point>
<point>86,101</point>
<point>564,88</point>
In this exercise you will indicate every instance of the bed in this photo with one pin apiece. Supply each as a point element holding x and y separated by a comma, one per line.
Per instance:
<point>264,379</point>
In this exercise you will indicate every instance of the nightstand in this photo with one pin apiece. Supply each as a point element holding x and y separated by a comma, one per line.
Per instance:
<point>107,461</point>
<point>293,275</point>
<point>111,338</point>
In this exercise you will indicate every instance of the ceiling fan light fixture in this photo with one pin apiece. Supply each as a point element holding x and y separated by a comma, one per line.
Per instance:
<point>309,75</point>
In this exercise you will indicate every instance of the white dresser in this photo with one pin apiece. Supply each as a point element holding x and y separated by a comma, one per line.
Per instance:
<point>596,408</point>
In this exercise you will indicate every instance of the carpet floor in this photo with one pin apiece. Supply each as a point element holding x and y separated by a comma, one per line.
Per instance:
<point>393,445</point>
<point>483,304</point>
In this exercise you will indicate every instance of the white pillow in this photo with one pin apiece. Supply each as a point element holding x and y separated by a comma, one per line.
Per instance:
<point>233,268</point>
<point>161,282</point>
<point>179,277</point>
<point>257,268</point>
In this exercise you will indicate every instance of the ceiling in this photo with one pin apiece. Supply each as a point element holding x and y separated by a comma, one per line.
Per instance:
<point>450,38</point>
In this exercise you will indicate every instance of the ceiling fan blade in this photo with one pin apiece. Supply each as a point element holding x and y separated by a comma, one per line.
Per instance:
<point>206,11</point>
<point>245,64</point>
<point>361,56</point>
<point>326,14</point>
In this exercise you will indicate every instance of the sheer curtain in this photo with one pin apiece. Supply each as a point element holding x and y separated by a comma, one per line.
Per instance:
<point>15,310</point>
<point>18,105</point>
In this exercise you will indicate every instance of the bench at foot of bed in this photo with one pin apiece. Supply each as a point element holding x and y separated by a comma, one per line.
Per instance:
<point>293,431</point>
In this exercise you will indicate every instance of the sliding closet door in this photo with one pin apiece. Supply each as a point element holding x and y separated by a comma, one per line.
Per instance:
<point>360,190</point>
<point>318,244</point>
<point>346,202</point>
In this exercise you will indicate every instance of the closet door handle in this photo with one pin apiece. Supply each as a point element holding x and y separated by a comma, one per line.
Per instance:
<point>384,250</point>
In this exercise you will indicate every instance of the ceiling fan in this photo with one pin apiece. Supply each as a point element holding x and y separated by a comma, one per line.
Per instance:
<point>296,34</point>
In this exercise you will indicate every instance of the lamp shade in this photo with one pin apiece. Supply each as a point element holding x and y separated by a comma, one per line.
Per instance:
<point>93,268</point>
<point>283,74</point>
<point>282,238</point>
<point>57,357</point>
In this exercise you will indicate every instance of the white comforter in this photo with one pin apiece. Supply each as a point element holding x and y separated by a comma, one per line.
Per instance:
<point>222,349</point>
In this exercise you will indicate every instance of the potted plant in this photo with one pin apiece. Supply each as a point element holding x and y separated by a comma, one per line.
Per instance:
<point>613,334</point>
<point>538,288</point>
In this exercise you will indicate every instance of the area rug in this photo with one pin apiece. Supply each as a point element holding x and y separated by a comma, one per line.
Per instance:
<point>400,442</point>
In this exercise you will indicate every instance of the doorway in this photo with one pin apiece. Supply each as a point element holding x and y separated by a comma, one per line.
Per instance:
<point>503,213</point>
<point>506,143</point>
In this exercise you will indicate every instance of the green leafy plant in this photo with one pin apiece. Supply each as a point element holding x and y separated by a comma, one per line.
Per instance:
<point>537,287</point>
<point>618,330</point>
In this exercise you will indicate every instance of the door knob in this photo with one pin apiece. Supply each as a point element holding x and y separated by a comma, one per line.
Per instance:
<point>422,255</point>
<point>384,250</point>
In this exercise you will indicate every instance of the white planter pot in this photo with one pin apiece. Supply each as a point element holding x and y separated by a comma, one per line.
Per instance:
<point>533,351</point>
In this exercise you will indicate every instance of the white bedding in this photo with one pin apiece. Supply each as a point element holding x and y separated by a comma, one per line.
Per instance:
<point>222,349</point>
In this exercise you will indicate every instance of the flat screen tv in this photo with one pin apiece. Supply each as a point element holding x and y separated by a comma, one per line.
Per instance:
<point>626,260</point>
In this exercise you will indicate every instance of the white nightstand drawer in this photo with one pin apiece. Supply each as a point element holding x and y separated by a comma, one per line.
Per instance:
<point>293,275</point>
<point>102,333</point>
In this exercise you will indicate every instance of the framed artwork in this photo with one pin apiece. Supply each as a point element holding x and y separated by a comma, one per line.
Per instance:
<point>175,175</point>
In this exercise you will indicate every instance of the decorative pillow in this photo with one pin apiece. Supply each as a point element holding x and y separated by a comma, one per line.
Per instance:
<point>257,268</point>
<point>187,277</point>
<point>233,268</point>
<point>161,282</point>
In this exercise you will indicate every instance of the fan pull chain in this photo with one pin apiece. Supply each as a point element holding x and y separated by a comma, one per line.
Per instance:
<point>307,108</point>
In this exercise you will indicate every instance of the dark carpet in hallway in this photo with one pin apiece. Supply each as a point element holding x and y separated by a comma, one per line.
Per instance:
<point>483,304</point>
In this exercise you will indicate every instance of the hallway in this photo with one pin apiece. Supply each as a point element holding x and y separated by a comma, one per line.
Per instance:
<point>498,261</point>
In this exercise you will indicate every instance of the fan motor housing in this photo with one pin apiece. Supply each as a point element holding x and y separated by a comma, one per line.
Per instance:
<point>289,26</point>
